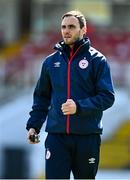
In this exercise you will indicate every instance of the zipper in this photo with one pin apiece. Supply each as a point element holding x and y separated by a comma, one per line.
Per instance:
<point>68,86</point>
<point>68,97</point>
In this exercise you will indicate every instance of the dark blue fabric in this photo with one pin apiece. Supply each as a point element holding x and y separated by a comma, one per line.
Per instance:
<point>76,153</point>
<point>91,88</point>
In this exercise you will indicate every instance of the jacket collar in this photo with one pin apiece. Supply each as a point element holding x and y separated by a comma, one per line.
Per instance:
<point>61,46</point>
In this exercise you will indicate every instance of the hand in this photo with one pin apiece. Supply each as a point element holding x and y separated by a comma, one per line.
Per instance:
<point>69,107</point>
<point>31,132</point>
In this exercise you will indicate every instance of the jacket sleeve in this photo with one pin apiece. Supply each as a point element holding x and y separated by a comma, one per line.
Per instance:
<point>104,93</point>
<point>41,101</point>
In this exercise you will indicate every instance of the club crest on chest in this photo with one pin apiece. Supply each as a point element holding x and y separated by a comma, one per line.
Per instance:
<point>83,63</point>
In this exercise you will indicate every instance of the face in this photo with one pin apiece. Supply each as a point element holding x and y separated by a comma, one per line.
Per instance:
<point>71,31</point>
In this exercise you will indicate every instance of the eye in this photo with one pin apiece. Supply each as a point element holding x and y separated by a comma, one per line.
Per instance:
<point>71,26</point>
<point>63,27</point>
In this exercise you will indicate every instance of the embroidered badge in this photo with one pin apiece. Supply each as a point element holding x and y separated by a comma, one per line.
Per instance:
<point>83,63</point>
<point>57,64</point>
<point>91,160</point>
<point>48,154</point>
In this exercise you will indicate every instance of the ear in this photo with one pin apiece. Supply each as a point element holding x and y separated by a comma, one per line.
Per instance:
<point>84,30</point>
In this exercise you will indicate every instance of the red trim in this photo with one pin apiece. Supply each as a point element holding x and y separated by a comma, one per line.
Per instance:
<point>68,86</point>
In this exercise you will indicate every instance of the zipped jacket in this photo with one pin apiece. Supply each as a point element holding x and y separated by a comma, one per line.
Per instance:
<point>82,74</point>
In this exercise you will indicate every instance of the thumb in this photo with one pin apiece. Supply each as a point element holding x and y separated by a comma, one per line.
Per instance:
<point>69,100</point>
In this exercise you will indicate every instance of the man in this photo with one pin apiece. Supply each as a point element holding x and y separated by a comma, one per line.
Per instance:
<point>73,90</point>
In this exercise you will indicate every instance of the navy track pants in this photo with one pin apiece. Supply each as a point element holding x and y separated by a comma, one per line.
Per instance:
<point>76,153</point>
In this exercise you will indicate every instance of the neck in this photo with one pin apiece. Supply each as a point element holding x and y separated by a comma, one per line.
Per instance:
<point>72,45</point>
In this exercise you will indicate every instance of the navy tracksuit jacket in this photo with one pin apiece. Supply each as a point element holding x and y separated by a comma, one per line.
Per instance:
<point>85,78</point>
<point>81,74</point>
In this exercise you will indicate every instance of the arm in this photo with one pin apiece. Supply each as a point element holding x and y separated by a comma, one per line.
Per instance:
<point>41,101</point>
<point>104,93</point>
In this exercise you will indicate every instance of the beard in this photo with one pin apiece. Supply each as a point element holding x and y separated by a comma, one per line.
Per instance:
<point>72,40</point>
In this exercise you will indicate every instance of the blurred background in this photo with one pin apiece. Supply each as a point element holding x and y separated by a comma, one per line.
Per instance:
<point>28,31</point>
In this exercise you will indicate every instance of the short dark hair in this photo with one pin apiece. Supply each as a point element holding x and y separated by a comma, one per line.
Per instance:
<point>78,15</point>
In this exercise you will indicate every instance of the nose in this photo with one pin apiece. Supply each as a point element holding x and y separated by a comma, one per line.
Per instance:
<point>66,30</point>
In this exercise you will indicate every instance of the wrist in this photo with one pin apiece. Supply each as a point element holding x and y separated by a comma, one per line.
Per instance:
<point>32,130</point>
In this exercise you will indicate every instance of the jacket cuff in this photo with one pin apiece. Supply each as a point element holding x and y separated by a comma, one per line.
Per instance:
<point>77,107</point>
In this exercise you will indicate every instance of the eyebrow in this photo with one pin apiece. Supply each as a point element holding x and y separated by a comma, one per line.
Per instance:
<point>70,25</point>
